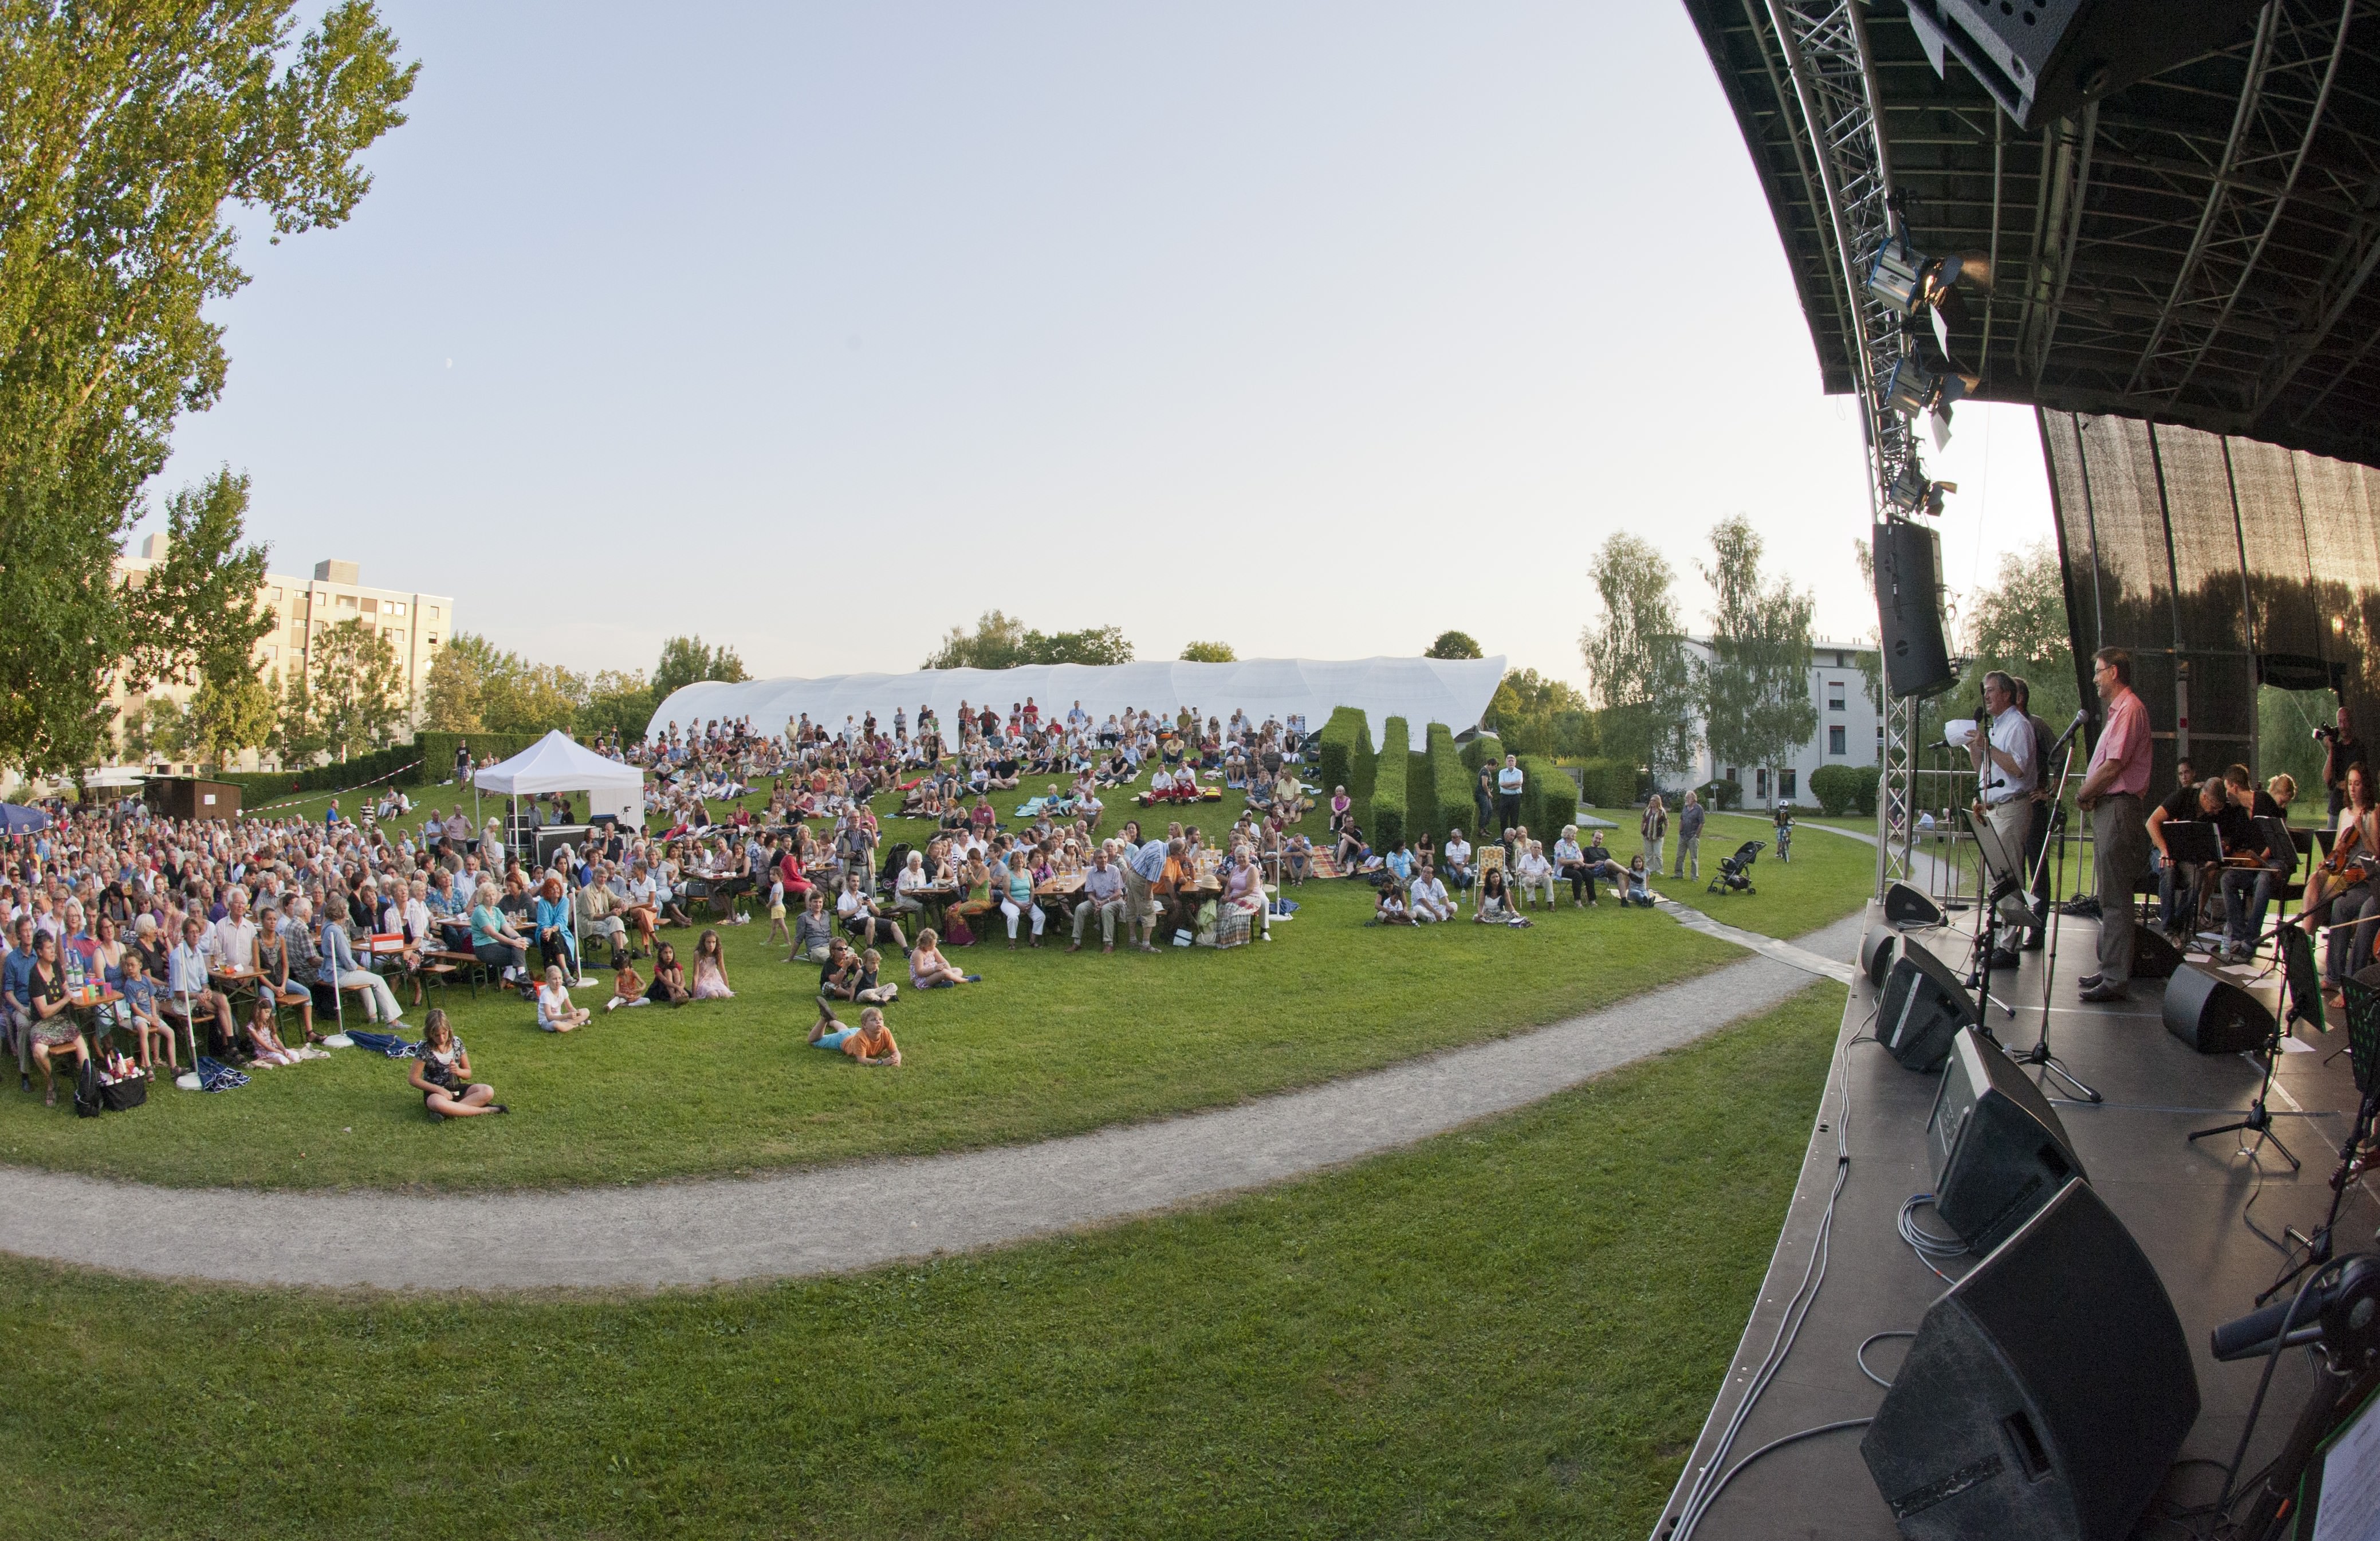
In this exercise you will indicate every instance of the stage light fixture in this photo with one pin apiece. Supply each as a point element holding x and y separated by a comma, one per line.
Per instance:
<point>1912,492</point>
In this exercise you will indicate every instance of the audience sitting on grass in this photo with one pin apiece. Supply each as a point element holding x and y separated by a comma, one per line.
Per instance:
<point>1391,909</point>
<point>627,987</point>
<point>1428,897</point>
<point>929,970</point>
<point>441,1072</point>
<point>1638,890</point>
<point>870,1043</point>
<point>1495,901</point>
<point>264,1045</point>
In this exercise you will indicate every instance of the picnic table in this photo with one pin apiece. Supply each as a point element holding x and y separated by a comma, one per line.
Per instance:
<point>94,998</point>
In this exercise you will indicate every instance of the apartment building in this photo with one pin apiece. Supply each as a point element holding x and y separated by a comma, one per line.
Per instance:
<point>1850,730</point>
<point>416,625</point>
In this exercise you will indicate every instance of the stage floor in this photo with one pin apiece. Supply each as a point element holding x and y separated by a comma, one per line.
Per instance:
<point>2188,1205</point>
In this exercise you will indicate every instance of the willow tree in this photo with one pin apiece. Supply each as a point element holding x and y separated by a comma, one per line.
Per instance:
<point>134,130</point>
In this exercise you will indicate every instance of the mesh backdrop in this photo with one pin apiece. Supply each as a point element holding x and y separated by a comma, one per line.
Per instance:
<point>2220,561</point>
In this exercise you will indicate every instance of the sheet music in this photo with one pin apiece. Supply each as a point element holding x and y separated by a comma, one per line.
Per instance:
<point>2350,1482</point>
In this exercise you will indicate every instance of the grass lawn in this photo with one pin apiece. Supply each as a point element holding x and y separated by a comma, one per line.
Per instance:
<point>1049,1044</point>
<point>1514,1330</point>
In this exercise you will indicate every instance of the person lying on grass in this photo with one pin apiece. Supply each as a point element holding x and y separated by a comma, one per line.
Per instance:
<point>870,1043</point>
<point>555,1012</point>
<point>441,1073</point>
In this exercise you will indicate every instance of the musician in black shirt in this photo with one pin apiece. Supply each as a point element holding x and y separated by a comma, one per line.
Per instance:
<point>2254,865</point>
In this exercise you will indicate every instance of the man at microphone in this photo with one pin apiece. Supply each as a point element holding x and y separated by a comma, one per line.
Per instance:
<point>2006,756</point>
<point>2119,837</point>
<point>2036,836</point>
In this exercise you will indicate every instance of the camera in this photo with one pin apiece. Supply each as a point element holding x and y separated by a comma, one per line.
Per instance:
<point>2324,733</point>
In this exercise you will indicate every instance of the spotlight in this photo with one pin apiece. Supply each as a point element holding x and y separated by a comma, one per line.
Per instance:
<point>1911,493</point>
<point>1912,388</point>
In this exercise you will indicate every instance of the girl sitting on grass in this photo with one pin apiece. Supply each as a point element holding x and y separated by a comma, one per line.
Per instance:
<point>669,977</point>
<point>555,1014</point>
<point>929,970</point>
<point>710,969</point>
<point>628,989</point>
<point>441,1073</point>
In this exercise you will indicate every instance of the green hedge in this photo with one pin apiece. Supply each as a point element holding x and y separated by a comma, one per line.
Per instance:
<point>1449,782</point>
<point>1388,814</point>
<point>1722,793</point>
<point>1609,783</point>
<point>1863,796</point>
<point>1346,754</point>
<point>1836,787</point>
<point>1484,749</point>
<point>1421,798</point>
<point>437,750</point>
<point>1549,798</point>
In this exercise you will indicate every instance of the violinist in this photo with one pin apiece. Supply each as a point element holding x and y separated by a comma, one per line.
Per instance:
<point>2339,892</point>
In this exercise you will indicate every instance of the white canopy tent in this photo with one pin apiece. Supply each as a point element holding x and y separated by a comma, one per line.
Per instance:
<point>556,763</point>
<point>1420,690</point>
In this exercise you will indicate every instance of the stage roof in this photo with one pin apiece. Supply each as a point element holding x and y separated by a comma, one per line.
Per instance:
<point>2196,248</point>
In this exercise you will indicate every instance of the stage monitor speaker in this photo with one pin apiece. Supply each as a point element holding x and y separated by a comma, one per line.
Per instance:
<point>2045,59</point>
<point>1909,608</point>
<point>2153,956</point>
<point>1904,906</point>
<point>1924,1007</point>
<point>2211,1014</point>
<point>1877,945</point>
<point>1998,1151</point>
<point>2047,1391</point>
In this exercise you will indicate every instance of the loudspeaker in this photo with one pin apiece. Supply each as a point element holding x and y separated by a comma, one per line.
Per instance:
<point>1904,906</point>
<point>2214,1015</point>
<point>1998,1151</point>
<point>2153,956</point>
<point>2047,1391</point>
<point>1909,608</point>
<point>2044,59</point>
<point>1877,944</point>
<point>1924,1007</point>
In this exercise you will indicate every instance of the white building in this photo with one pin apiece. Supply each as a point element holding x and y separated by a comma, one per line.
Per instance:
<point>1850,730</point>
<point>301,609</point>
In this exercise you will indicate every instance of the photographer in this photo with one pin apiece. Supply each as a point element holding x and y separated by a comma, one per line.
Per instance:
<point>2341,749</point>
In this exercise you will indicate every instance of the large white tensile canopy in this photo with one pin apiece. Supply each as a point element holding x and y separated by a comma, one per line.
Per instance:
<point>556,763</point>
<point>1420,690</point>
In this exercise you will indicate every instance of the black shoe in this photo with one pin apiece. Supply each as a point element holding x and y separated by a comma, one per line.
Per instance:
<point>2106,992</point>
<point>2088,981</point>
<point>2003,958</point>
<point>2032,944</point>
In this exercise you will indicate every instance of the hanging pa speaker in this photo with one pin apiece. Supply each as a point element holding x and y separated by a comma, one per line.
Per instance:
<point>1998,1151</point>
<point>1877,945</point>
<point>2153,956</point>
<point>1924,1007</point>
<point>2045,59</point>
<point>2211,1014</point>
<point>2047,1391</point>
<point>1905,906</point>
<point>1909,608</point>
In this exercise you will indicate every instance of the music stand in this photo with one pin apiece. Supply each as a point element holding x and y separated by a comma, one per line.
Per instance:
<point>2363,1055</point>
<point>2193,842</point>
<point>2040,1055</point>
<point>1996,878</point>
<point>2301,1002</point>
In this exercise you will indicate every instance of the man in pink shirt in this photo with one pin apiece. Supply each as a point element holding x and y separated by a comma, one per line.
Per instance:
<point>2111,793</point>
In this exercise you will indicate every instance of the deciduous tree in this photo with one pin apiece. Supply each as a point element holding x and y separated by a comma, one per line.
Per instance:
<point>1637,668</point>
<point>1453,644</point>
<point>684,660</point>
<point>1210,652</point>
<point>358,690</point>
<point>1756,705</point>
<point>131,128</point>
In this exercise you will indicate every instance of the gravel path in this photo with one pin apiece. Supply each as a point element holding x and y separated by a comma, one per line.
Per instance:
<point>859,1215</point>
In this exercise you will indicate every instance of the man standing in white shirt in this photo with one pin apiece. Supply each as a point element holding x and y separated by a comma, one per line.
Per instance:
<point>1509,782</point>
<point>2004,758</point>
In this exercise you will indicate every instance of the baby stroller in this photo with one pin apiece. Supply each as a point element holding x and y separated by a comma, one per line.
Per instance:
<point>1734,874</point>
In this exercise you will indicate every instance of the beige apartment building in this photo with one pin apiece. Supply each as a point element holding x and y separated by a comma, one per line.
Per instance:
<point>416,625</point>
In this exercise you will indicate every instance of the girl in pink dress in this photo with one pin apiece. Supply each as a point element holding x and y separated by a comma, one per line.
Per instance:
<point>710,969</point>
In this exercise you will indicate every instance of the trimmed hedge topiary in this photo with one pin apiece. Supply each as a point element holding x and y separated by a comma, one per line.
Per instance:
<point>1607,783</point>
<point>1346,753</point>
<point>1449,782</point>
<point>1549,798</point>
<point>1389,822</point>
<point>1863,796</point>
<point>1836,787</point>
<point>1484,749</point>
<point>1722,793</point>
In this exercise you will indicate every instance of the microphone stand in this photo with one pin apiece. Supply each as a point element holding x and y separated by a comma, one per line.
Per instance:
<point>2040,1055</point>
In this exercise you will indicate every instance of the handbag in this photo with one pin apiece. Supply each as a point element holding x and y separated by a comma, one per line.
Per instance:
<point>88,1102</point>
<point>122,1095</point>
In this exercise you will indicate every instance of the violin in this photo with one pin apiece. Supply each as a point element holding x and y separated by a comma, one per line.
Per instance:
<point>2335,863</point>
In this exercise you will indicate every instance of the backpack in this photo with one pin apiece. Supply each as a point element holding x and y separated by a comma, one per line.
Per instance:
<point>957,934</point>
<point>88,1103</point>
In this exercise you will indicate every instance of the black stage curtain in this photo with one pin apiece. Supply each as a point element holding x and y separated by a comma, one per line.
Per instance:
<point>2221,563</point>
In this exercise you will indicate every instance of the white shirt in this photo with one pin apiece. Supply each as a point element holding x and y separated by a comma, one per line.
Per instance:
<point>2011,735</point>
<point>1458,852</point>
<point>1429,891</point>
<point>1509,781</point>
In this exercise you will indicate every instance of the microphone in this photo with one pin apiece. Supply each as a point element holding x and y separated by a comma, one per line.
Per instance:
<point>2082,715</point>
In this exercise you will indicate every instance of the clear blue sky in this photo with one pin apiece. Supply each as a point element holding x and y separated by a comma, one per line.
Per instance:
<point>1312,328</point>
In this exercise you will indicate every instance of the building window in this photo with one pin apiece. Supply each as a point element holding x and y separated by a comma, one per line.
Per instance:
<point>1835,740</point>
<point>431,613</point>
<point>275,595</point>
<point>1760,784</point>
<point>1785,779</point>
<point>429,641</point>
<point>347,603</point>
<point>396,637</point>
<point>271,652</point>
<point>395,607</point>
<point>1834,695</point>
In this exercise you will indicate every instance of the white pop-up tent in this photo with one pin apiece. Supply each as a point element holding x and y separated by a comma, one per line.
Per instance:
<point>556,763</point>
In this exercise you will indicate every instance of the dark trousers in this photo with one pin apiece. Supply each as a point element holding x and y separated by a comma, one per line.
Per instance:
<point>1509,807</point>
